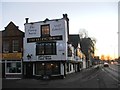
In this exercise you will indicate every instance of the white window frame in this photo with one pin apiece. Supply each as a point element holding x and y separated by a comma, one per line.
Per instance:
<point>6,61</point>
<point>13,46</point>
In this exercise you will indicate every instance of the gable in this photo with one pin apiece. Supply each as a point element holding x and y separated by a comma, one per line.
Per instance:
<point>12,30</point>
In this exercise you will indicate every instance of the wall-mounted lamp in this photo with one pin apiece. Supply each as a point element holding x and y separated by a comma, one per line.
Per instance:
<point>29,56</point>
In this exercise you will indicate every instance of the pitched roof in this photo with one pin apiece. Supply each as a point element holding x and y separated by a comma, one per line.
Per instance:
<point>74,39</point>
<point>12,30</point>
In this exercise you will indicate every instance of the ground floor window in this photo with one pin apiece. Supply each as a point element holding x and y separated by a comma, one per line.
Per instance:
<point>13,67</point>
<point>67,67</point>
<point>46,68</point>
<point>40,68</point>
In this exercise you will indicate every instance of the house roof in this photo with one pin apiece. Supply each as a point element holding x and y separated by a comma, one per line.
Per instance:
<point>12,30</point>
<point>74,39</point>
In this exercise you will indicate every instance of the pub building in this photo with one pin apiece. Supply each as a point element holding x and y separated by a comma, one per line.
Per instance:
<point>12,51</point>
<point>47,50</point>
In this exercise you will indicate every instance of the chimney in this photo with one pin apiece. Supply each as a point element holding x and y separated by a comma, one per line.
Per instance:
<point>26,20</point>
<point>65,16</point>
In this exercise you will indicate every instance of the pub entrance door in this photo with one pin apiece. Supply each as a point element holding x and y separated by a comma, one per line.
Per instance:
<point>29,70</point>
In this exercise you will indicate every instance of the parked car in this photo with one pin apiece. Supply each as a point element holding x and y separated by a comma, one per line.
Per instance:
<point>106,64</point>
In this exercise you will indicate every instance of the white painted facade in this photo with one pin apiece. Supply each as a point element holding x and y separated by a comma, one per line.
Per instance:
<point>58,34</point>
<point>57,28</point>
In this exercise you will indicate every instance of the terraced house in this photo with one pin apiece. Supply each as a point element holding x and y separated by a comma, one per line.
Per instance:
<point>49,49</point>
<point>12,51</point>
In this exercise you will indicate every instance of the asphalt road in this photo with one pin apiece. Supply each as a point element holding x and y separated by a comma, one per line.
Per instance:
<point>89,78</point>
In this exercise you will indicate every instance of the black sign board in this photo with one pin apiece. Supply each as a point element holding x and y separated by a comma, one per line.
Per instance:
<point>38,39</point>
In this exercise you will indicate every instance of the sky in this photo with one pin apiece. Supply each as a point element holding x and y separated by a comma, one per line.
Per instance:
<point>99,19</point>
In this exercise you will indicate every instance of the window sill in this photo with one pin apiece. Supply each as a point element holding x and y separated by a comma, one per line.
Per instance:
<point>13,73</point>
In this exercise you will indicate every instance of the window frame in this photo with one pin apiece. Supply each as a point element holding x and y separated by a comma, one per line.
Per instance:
<point>45,35</point>
<point>42,68</point>
<point>14,46</point>
<point>6,45</point>
<point>53,48</point>
<point>69,51</point>
<point>11,62</point>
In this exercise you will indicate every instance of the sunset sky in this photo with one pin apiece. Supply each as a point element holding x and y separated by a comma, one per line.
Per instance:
<point>100,19</point>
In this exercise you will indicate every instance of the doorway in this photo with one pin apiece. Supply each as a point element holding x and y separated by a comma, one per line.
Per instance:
<point>29,70</point>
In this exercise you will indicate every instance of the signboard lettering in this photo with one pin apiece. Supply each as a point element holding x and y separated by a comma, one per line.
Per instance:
<point>44,57</point>
<point>37,39</point>
<point>57,27</point>
<point>12,56</point>
<point>32,31</point>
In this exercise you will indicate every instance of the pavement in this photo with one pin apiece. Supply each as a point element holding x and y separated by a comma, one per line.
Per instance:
<point>30,83</point>
<point>87,78</point>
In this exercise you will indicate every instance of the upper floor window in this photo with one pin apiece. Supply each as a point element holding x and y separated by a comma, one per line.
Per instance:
<point>5,46</point>
<point>45,30</point>
<point>69,52</point>
<point>46,48</point>
<point>15,45</point>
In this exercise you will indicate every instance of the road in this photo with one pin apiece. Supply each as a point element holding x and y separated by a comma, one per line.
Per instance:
<point>104,77</point>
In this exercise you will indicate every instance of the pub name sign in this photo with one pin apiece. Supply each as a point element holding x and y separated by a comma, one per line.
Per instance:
<point>38,39</point>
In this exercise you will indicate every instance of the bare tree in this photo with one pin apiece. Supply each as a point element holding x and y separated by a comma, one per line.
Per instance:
<point>83,33</point>
<point>94,39</point>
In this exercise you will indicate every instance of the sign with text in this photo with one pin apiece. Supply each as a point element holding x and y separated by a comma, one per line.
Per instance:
<point>57,27</point>
<point>12,56</point>
<point>44,57</point>
<point>29,40</point>
<point>32,30</point>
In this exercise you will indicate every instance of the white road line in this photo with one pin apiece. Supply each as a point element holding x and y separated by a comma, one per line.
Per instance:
<point>111,76</point>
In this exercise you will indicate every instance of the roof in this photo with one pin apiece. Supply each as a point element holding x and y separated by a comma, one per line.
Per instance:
<point>74,39</point>
<point>12,30</point>
<point>65,17</point>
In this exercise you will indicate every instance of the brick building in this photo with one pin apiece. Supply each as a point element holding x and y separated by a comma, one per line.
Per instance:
<point>12,51</point>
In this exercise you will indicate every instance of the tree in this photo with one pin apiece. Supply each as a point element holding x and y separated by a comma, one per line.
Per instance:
<point>83,33</point>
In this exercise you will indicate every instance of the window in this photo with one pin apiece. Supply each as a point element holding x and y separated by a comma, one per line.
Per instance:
<point>47,68</point>
<point>13,67</point>
<point>56,68</point>
<point>40,48</point>
<point>15,45</point>
<point>69,52</point>
<point>6,46</point>
<point>40,68</point>
<point>45,30</point>
<point>46,48</point>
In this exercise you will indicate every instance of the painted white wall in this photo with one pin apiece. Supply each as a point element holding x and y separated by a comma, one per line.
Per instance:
<point>33,30</point>
<point>62,68</point>
<point>84,64</point>
<point>71,65</point>
<point>33,68</point>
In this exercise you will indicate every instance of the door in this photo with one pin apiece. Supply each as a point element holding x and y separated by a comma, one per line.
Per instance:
<point>3,70</point>
<point>29,70</point>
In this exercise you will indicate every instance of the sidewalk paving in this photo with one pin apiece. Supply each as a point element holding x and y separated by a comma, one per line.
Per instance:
<point>31,83</point>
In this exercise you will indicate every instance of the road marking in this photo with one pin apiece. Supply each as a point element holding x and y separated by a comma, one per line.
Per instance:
<point>93,76</point>
<point>110,75</point>
<point>103,69</point>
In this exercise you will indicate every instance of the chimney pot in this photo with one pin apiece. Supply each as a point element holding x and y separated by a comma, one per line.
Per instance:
<point>26,20</point>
